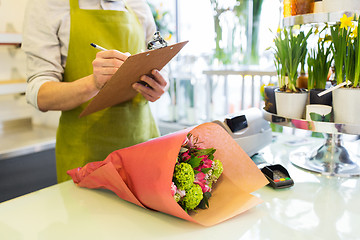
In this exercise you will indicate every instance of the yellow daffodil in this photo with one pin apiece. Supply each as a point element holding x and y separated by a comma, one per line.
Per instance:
<point>355,32</point>
<point>327,38</point>
<point>158,14</point>
<point>168,37</point>
<point>296,27</point>
<point>346,22</point>
<point>316,30</point>
<point>278,29</point>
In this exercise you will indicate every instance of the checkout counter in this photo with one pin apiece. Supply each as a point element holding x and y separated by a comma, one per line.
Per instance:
<point>315,207</point>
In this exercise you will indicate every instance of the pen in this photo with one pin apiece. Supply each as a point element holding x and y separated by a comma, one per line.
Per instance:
<point>98,47</point>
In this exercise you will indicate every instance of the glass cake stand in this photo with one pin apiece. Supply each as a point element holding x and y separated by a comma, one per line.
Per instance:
<point>332,158</point>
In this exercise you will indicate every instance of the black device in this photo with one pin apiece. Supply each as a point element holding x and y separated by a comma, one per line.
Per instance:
<point>278,176</point>
<point>237,123</point>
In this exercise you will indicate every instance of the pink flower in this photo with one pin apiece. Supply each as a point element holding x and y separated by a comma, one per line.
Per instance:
<point>186,156</point>
<point>203,185</point>
<point>201,181</point>
<point>206,188</point>
<point>198,168</point>
<point>182,193</point>
<point>207,163</point>
<point>173,188</point>
<point>200,177</point>
<point>188,143</point>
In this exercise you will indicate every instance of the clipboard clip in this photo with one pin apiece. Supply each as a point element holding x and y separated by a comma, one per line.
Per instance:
<point>156,42</point>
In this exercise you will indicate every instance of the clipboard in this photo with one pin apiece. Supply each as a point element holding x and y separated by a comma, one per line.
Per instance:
<point>119,88</point>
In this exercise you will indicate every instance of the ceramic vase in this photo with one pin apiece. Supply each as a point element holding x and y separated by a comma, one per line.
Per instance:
<point>346,105</point>
<point>291,105</point>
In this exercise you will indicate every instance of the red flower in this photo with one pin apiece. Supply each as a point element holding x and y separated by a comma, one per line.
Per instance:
<point>186,156</point>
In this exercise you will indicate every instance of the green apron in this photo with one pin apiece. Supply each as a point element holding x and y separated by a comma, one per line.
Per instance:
<point>93,137</point>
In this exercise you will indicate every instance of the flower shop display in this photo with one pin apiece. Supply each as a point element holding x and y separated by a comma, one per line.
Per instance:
<point>337,50</point>
<point>154,175</point>
<point>290,49</point>
<point>319,62</point>
<point>345,37</point>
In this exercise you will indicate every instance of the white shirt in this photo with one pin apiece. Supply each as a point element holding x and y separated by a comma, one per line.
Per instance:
<point>47,31</point>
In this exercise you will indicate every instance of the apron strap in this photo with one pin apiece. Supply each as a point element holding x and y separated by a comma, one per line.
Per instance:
<point>74,5</point>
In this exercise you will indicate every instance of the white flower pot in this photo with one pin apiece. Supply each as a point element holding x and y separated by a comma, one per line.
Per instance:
<point>291,105</point>
<point>346,105</point>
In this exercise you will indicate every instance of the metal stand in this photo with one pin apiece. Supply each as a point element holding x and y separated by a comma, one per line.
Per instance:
<point>332,158</point>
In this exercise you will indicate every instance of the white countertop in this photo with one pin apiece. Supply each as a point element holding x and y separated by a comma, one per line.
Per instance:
<point>316,207</point>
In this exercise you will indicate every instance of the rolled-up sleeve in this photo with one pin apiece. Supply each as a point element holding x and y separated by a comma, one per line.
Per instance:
<point>42,45</point>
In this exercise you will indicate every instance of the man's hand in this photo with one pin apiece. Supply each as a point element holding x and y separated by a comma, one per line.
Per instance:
<point>156,86</point>
<point>106,64</point>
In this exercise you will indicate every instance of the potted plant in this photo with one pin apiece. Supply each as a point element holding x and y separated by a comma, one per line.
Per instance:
<point>345,37</point>
<point>268,94</point>
<point>319,62</point>
<point>290,49</point>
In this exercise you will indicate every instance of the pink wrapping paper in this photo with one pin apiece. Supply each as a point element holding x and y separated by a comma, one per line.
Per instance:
<point>142,174</point>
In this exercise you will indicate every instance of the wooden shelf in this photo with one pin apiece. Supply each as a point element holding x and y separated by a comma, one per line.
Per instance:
<point>12,86</point>
<point>10,39</point>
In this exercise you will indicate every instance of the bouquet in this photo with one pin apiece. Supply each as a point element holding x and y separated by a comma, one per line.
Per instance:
<point>143,174</point>
<point>195,172</point>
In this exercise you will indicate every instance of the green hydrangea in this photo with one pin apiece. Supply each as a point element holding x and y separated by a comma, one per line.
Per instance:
<point>193,197</point>
<point>215,172</point>
<point>217,168</point>
<point>184,176</point>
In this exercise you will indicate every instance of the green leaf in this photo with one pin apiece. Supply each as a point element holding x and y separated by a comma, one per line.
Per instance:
<point>205,170</point>
<point>204,204</point>
<point>207,151</point>
<point>194,161</point>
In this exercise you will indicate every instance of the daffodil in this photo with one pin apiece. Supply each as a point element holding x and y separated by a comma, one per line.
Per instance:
<point>290,51</point>
<point>355,32</point>
<point>316,31</point>
<point>168,37</point>
<point>346,22</point>
<point>296,27</point>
